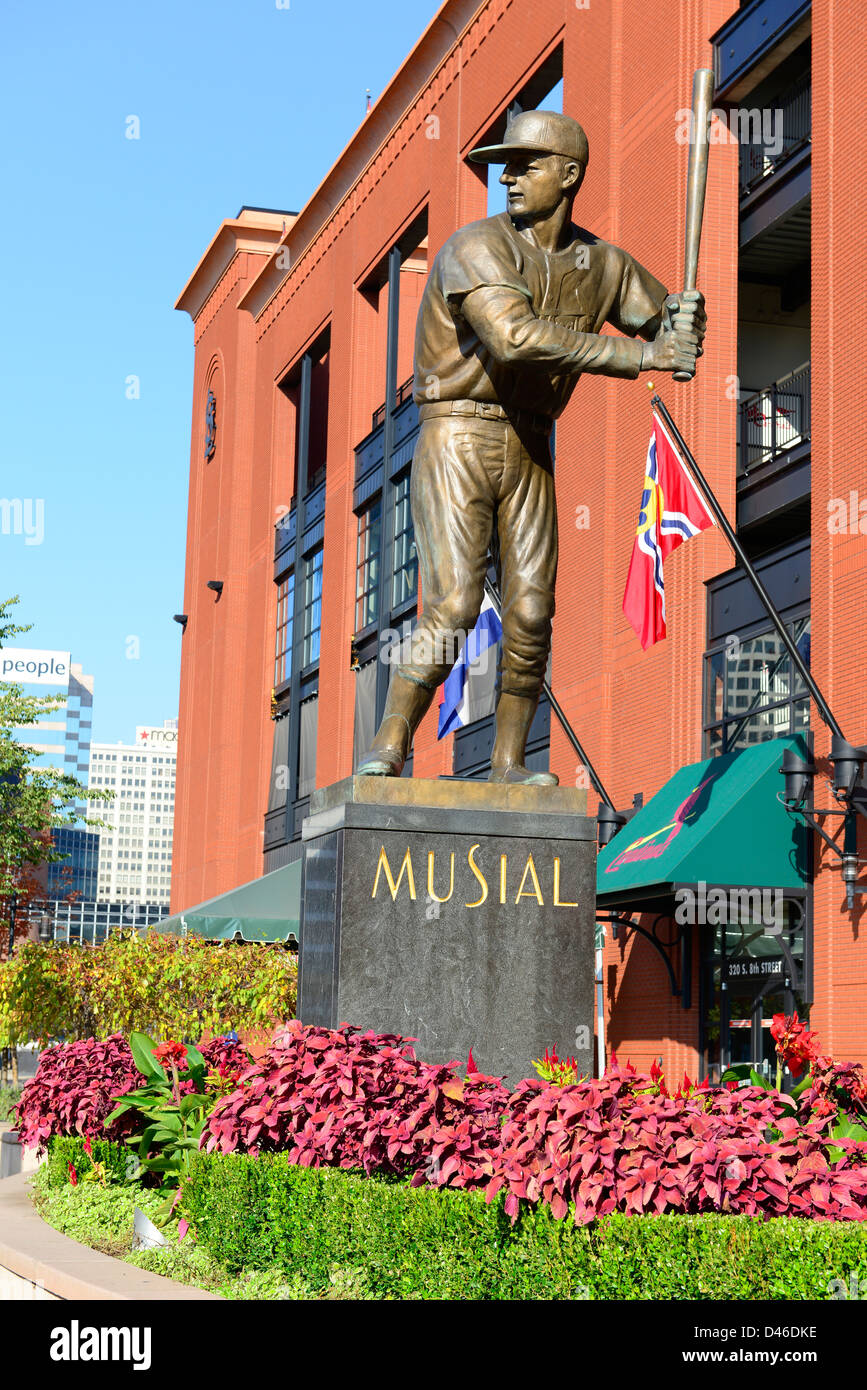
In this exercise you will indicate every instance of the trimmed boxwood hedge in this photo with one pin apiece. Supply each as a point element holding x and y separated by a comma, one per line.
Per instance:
<point>439,1243</point>
<point>265,1213</point>
<point>63,1150</point>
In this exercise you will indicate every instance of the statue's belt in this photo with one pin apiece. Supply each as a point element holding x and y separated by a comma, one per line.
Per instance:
<point>488,410</point>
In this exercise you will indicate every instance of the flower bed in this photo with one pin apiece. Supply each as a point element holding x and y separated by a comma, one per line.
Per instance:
<point>339,1155</point>
<point>76,1086</point>
<point>337,1097</point>
<point>265,1228</point>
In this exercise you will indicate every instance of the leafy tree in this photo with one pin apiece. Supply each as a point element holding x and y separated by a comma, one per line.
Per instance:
<point>34,801</point>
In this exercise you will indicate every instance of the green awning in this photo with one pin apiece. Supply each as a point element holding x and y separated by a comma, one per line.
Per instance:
<point>718,822</point>
<point>266,909</point>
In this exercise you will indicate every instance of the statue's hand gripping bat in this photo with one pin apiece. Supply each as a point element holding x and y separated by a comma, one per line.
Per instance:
<point>696,182</point>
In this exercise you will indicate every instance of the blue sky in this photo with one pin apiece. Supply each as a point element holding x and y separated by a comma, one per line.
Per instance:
<point>239,101</point>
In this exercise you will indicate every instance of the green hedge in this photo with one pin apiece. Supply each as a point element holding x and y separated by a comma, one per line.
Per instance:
<point>62,1151</point>
<point>258,1213</point>
<point>400,1242</point>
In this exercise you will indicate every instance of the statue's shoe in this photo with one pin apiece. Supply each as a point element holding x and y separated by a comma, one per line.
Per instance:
<point>381,762</point>
<point>513,772</point>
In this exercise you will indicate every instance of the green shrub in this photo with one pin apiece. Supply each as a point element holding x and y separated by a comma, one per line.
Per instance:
<point>102,1218</point>
<point>9,1098</point>
<point>163,985</point>
<point>261,1213</point>
<point>62,1151</point>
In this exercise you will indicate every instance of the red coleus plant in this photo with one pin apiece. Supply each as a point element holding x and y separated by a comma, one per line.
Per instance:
<point>614,1145</point>
<point>360,1100</point>
<point>71,1093</point>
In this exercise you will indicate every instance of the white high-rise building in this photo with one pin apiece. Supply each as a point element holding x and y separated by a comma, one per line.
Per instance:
<point>135,853</point>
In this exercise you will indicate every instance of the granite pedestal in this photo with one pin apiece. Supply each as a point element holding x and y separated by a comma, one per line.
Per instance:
<point>459,913</point>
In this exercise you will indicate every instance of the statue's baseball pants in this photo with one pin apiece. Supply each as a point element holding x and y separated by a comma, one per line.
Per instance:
<point>468,471</point>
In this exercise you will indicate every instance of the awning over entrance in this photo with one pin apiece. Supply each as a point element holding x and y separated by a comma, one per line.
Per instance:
<point>266,909</point>
<point>716,822</point>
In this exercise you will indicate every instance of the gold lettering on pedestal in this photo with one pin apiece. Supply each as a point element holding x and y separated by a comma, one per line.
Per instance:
<point>557,902</point>
<point>384,864</point>
<point>479,875</point>
<point>530,876</point>
<point>430,877</point>
<point>530,868</point>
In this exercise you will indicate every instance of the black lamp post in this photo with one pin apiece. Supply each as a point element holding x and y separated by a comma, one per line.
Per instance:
<point>608,822</point>
<point>799,773</point>
<point>849,793</point>
<point>848,762</point>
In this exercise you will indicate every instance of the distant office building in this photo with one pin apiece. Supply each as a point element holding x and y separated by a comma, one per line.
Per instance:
<point>85,922</point>
<point>135,851</point>
<point>61,737</point>
<point>75,875</point>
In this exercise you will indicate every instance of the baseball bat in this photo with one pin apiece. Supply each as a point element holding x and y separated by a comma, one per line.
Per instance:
<point>696,181</point>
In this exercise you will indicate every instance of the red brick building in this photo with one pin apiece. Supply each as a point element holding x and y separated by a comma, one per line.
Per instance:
<point>298,485</point>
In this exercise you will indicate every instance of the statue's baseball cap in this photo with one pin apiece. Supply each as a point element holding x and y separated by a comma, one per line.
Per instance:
<point>537,132</point>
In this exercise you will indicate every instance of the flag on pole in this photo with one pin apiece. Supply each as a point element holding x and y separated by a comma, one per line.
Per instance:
<point>672,511</point>
<point>454,704</point>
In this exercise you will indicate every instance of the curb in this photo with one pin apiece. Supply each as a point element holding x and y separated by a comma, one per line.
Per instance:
<point>33,1252</point>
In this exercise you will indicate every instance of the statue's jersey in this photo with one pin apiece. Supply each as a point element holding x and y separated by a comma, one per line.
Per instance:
<point>581,288</point>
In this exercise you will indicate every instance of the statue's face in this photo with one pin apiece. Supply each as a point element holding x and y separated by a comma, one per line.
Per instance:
<point>538,183</point>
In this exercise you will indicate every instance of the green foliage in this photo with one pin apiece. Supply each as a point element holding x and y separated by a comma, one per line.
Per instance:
<point>102,1217</point>
<point>162,985</point>
<point>62,1151</point>
<point>436,1243</point>
<point>9,1098</point>
<point>33,800</point>
<point>172,1123</point>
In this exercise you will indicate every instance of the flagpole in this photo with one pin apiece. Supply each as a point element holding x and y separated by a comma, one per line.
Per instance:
<point>745,564</point>
<point>493,595</point>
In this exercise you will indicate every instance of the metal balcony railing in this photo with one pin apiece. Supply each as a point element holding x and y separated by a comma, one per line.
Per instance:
<point>770,136</point>
<point>404,391</point>
<point>774,419</point>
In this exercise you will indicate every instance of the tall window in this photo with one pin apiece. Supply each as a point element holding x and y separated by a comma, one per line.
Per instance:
<point>405,580</point>
<point>312,607</point>
<point>367,566</point>
<point>307,746</point>
<point>752,691</point>
<point>285,601</point>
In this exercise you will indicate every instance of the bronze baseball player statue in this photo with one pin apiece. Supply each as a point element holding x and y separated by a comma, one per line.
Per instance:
<point>510,318</point>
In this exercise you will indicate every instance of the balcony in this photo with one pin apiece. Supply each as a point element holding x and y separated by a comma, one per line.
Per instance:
<point>774,420</point>
<point>774,451</point>
<point>314,526</point>
<point>369,453</point>
<point>762,158</point>
<point>754,41</point>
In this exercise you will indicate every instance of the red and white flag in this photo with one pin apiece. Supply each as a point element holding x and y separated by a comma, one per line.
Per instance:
<point>672,511</point>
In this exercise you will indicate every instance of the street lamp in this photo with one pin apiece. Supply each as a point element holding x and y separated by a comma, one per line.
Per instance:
<point>849,792</point>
